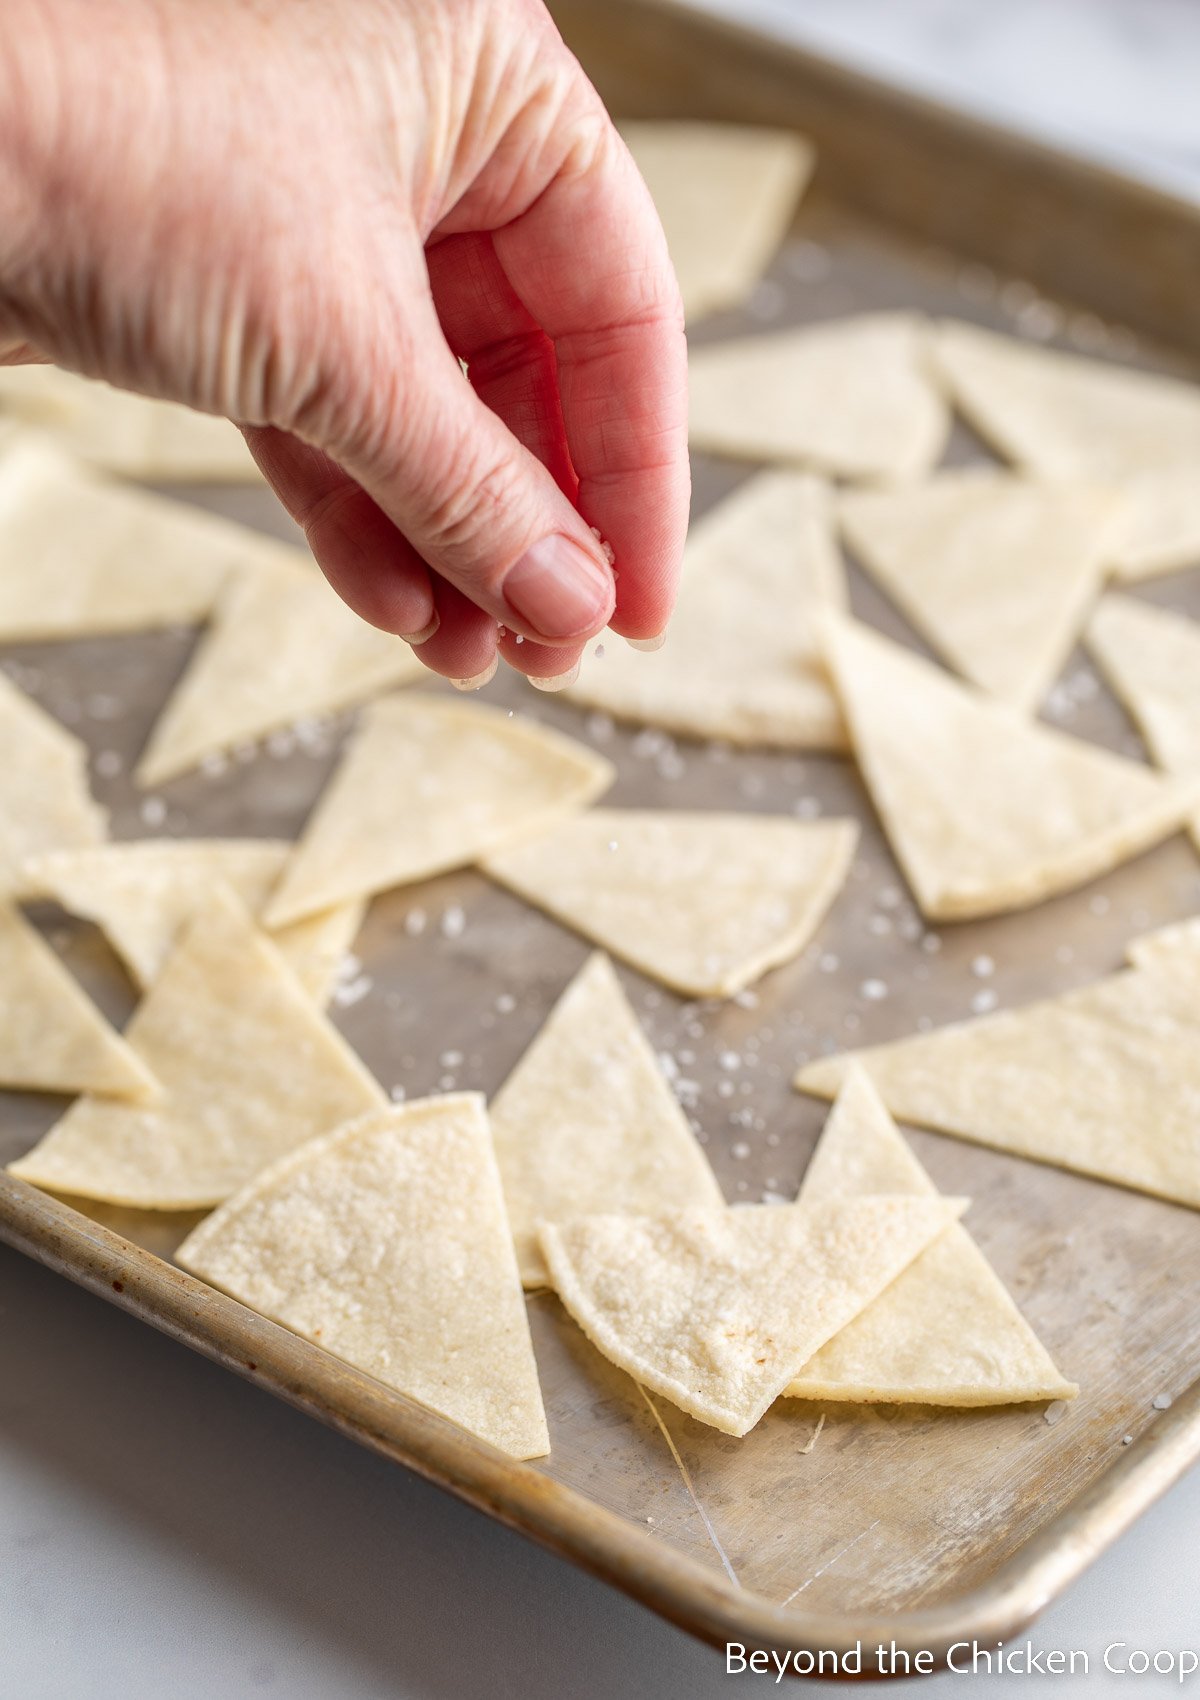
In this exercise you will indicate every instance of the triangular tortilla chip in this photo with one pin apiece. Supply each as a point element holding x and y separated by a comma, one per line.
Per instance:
<point>985,811</point>
<point>996,572</point>
<point>1181,937</point>
<point>725,194</point>
<point>706,903</point>
<point>742,661</point>
<point>586,1121</point>
<point>52,1037</point>
<point>282,645</point>
<point>718,1310</point>
<point>45,803</point>
<point>1104,1080</point>
<point>946,1331</point>
<point>140,894</point>
<point>386,1243</point>
<point>1151,659</point>
<point>1064,416</point>
<point>131,435</point>
<point>427,785</point>
<point>1161,529</point>
<point>248,1071</point>
<point>851,398</point>
<point>80,555</point>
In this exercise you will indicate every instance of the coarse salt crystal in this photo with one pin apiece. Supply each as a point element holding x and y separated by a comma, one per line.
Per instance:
<point>873,990</point>
<point>454,922</point>
<point>983,967</point>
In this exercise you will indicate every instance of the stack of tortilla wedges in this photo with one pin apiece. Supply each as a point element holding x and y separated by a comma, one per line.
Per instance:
<point>400,1236</point>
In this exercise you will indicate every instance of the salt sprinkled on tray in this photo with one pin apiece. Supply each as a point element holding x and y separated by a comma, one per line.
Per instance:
<point>983,967</point>
<point>454,922</point>
<point>983,1002</point>
<point>1055,1412</point>
<point>153,811</point>
<point>108,764</point>
<point>873,990</point>
<point>1162,1402</point>
<point>414,922</point>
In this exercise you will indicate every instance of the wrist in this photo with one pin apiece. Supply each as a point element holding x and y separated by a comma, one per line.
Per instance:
<point>75,75</point>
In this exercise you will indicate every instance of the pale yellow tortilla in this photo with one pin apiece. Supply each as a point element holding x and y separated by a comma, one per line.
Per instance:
<point>426,785</point>
<point>1181,937</point>
<point>282,646</point>
<point>1065,416</point>
<point>725,194</point>
<point>386,1243</point>
<point>742,659</point>
<point>1161,532</point>
<point>52,1037</point>
<point>586,1121</point>
<point>1104,1080</point>
<point>81,556</point>
<point>248,1069</point>
<point>131,435</point>
<point>45,803</point>
<point>140,894</point>
<point>851,398</point>
<point>706,903</point>
<point>996,572</point>
<point>946,1331</point>
<point>1151,659</point>
<point>717,1310</point>
<point>986,811</point>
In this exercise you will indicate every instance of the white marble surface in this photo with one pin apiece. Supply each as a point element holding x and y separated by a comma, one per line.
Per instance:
<point>1117,79</point>
<point>168,1533</point>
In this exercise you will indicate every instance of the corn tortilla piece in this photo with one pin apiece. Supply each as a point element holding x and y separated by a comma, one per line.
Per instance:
<point>80,556</point>
<point>1151,658</point>
<point>586,1121</point>
<point>996,572</point>
<point>282,645</point>
<point>248,1071</point>
<point>717,1310</point>
<point>743,661</point>
<point>1104,1080</point>
<point>45,803</point>
<point>726,194</point>
<point>141,893</point>
<point>427,785</point>
<point>131,435</point>
<point>706,903</point>
<point>52,1037</point>
<point>386,1243</point>
<point>1180,937</point>
<point>1061,415</point>
<point>986,811</point>
<point>946,1331</point>
<point>851,398</point>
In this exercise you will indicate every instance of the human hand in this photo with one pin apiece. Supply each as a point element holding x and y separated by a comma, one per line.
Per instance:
<point>299,216</point>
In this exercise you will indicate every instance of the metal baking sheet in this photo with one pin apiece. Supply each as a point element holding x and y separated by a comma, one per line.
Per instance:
<point>920,1524</point>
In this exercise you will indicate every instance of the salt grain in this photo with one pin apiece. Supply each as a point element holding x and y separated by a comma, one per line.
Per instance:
<point>415,922</point>
<point>983,967</point>
<point>153,811</point>
<point>873,990</point>
<point>454,922</point>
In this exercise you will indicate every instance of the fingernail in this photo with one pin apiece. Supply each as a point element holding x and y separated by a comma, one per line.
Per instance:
<point>556,681</point>
<point>480,679</point>
<point>559,589</point>
<point>647,644</point>
<point>423,636</point>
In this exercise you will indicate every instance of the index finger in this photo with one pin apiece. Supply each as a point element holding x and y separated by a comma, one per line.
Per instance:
<point>589,261</point>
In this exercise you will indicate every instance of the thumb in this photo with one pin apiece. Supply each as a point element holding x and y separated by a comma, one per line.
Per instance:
<point>476,505</point>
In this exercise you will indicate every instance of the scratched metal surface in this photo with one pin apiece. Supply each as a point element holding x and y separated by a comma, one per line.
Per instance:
<point>894,1507</point>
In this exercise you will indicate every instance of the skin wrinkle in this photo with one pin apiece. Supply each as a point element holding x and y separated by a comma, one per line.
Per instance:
<point>289,165</point>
